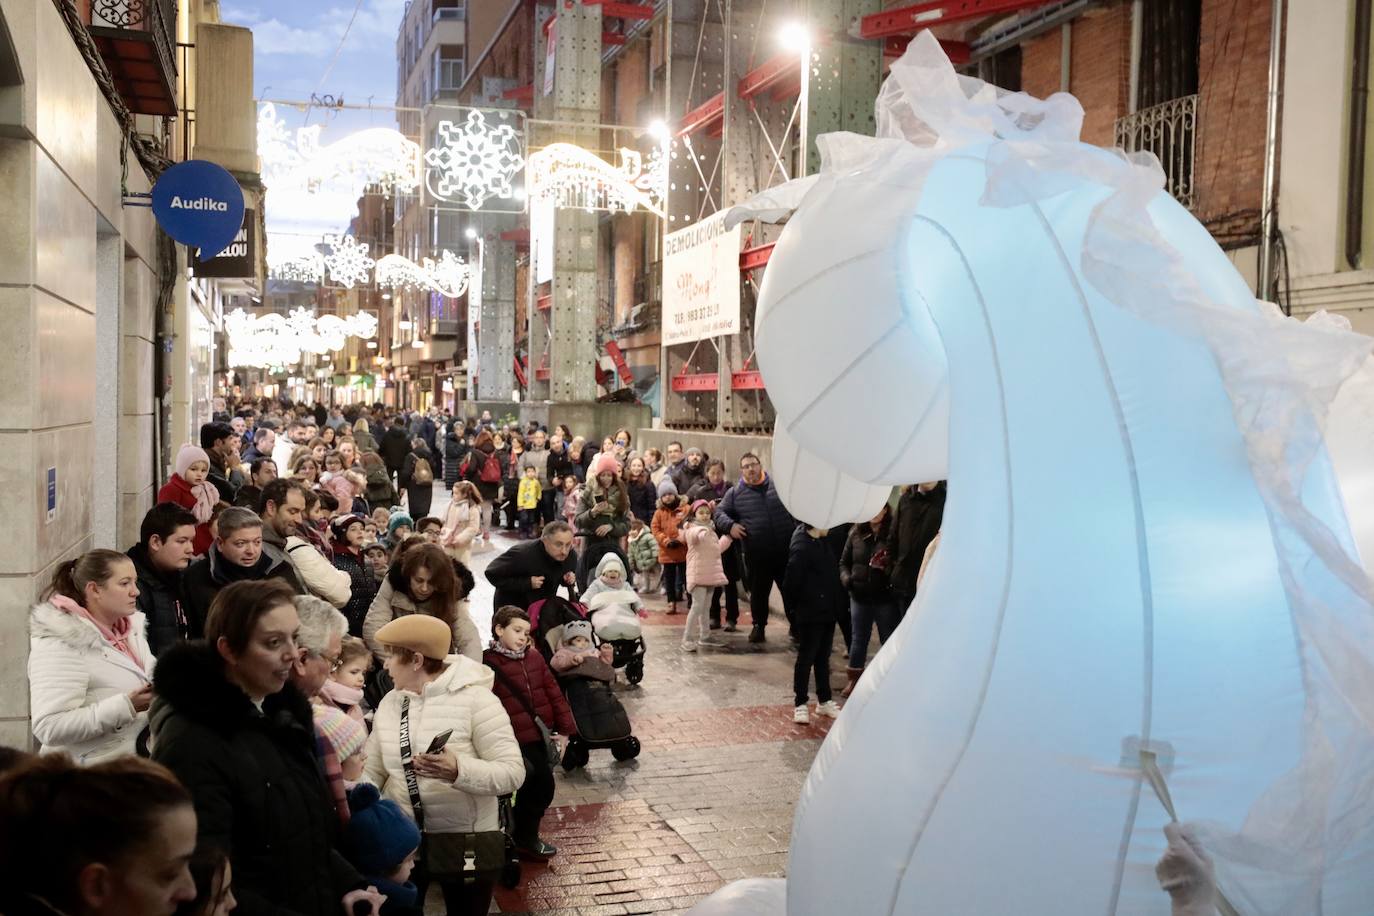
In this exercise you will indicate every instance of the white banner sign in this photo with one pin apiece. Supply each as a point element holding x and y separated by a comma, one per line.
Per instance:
<point>550,44</point>
<point>701,281</point>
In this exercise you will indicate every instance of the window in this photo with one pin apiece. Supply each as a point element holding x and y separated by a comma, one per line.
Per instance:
<point>1002,69</point>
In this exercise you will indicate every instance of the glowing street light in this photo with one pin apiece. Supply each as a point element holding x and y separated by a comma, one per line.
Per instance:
<point>796,37</point>
<point>470,233</point>
<point>659,131</point>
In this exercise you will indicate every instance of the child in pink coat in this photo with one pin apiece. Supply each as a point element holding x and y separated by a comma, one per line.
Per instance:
<point>704,573</point>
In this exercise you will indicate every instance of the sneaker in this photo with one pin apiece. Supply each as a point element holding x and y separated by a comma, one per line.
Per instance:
<point>715,624</point>
<point>689,647</point>
<point>538,851</point>
<point>731,628</point>
<point>801,716</point>
<point>830,709</point>
<point>756,634</point>
<point>713,643</point>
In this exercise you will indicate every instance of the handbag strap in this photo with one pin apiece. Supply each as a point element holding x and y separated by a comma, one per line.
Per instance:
<point>517,693</point>
<point>412,781</point>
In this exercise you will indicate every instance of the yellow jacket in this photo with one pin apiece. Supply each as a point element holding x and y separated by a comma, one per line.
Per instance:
<point>530,491</point>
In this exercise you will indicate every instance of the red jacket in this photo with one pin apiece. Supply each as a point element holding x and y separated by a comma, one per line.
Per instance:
<point>532,674</point>
<point>177,490</point>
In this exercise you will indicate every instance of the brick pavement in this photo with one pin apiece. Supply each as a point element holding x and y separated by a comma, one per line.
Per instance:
<point>709,799</point>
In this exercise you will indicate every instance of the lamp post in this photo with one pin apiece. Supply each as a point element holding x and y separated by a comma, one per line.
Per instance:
<point>797,37</point>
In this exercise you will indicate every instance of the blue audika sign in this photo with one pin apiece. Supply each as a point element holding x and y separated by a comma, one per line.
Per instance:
<point>199,204</point>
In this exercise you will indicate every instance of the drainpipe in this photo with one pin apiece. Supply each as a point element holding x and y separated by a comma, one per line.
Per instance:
<point>1359,99</point>
<point>1271,149</point>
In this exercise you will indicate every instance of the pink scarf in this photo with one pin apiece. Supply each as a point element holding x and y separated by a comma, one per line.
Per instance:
<point>117,636</point>
<point>206,496</point>
<point>342,695</point>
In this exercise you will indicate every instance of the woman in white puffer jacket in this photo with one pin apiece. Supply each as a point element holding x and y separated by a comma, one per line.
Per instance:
<point>90,669</point>
<point>481,761</point>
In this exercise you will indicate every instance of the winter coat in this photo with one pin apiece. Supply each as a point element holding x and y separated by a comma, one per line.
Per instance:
<point>394,601</point>
<point>364,440</point>
<point>362,588</point>
<point>455,449</point>
<point>394,447</point>
<point>489,761</point>
<point>512,570</point>
<point>643,551</point>
<point>419,495</point>
<point>704,549</point>
<point>177,490</point>
<point>704,489</point>
<point>380,492</point>
<point>531,675</point>
<point>527,497</point>
<point>685,476</point>
<point>258,787</point>
<point>618,517</point>
<point>79,685</point>
<point>865,582</point>
<point>159,598</point>
<point>476,458</point>
<point>319,576</point>
<point>539,460</point>
<point>812,586</point>
<point>248,497</point>
<point>760,510</point>
<point>462,524</point>
<point>667,528</point>
<point>559,464</point>
<point>914,525</point>
<point>565,657</point>
<point>205,577</point>
<point>643,498</point>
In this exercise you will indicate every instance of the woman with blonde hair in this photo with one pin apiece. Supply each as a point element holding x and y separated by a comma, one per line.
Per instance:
<point>304,467</point>
<point>362,437</point>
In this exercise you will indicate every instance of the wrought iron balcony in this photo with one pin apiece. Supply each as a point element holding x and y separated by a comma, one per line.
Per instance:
<point>1169,130</point>
<point>137,39</point>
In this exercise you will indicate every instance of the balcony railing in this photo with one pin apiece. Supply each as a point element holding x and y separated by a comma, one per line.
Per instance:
<point>450,12</point>
<point>137,39</point>
<point>1169,130</point>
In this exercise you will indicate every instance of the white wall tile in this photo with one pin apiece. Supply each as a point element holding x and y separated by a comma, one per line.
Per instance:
<point>65,236</point>
<point>17,369</point>
<point>68,98</point>
<point>65,376</point>
<point>17,185</point>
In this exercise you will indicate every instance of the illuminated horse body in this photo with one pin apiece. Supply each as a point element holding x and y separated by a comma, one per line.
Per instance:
<point>1123,567</point>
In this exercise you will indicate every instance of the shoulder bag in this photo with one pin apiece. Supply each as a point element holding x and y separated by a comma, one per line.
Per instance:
<point>552,752</point>
<point>449,856</point>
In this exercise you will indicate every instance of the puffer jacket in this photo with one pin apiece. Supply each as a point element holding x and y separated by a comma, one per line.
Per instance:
<point>760,510</point>
<point>643,498</point>
<point>380,492</point>
<point>160,601</point>
<point>362,588</point>
<point>704,549</point>
<point>258,787</point>
<point>667,528</point>
<point>79,686</point>
<point>864,581</point>
<point>454,451</point>
<point>643,551</point>
<point>812,585</point>
<point>489,761</point>
<point>392,601</point>
<point>205,577</point>
<point>530,674</point>
<point>316,572</point>
<point>618,517</point>
<point>462,524</point>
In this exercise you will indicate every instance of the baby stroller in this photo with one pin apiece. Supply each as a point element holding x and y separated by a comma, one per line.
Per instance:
<point>547,617</point>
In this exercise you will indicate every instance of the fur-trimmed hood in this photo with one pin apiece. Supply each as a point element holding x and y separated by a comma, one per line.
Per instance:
<point>46,621</point>
<point>190,681</point>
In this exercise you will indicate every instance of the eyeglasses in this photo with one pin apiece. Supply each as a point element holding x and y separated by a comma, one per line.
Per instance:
<point>334,660</point>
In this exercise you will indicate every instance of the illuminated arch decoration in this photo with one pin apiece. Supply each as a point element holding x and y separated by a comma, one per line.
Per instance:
<point>449,276</point>
<point>575,178</point>
<point>476,161</point>
<point>279,340</point>
<point>377,156</point>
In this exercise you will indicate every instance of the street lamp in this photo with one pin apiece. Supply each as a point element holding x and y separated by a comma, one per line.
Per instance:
<point>796,37</point>
<point>470,233</point>
<point>659,131</point>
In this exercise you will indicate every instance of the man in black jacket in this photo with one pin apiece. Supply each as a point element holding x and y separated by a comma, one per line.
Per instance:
<point>534,570</point>
<point>160,557</point>
<point>215,440</point>
<point>237,555</point>
<point>394,446</point>
<point>753,513</point>
<point>915,524</point>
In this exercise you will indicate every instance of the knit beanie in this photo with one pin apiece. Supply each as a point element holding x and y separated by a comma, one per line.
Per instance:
<point>666,487</point>
<point>605,463</point>
<point>698,504</point>
<point>340,526</point>
<point>343,733</point>
<point>379,834</point>
<point>397,520</point>
<point>188,456</point>
<point>575,628</point>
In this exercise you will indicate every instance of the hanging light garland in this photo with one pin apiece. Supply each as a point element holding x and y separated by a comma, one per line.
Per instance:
<point>574,178</point>
<point>449,276</point>
<point>377,156</point>
<point>279,340</point>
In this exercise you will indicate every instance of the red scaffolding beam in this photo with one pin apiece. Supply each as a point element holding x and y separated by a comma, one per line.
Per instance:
<point>908,20</point>
<point>613,10</point>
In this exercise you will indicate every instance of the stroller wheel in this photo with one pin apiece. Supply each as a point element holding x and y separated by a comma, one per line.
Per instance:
<point>575,755</point>
<point>627,749</point>
<point>634,670</point>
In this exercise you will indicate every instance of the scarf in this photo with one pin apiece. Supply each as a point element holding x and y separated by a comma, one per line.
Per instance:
<point>499,649</point>
<point>341,694</point>
<point>206,497</point>
<point>117,636</point>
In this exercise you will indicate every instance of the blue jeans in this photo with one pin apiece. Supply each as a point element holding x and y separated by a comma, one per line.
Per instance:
<point>884,611</point>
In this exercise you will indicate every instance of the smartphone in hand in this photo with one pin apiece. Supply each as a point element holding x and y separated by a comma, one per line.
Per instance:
<point>439,741</point>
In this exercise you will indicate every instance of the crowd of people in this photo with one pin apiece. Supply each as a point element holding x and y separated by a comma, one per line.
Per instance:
<point>285,675</point>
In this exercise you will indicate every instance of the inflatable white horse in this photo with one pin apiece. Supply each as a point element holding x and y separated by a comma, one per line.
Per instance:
<point>1147,599</point>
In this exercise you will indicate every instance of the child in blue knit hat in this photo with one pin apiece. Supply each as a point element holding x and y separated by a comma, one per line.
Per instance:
<point>381,841</point>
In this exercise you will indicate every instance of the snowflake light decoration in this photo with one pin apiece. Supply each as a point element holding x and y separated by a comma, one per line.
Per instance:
<point>274,339</point>
<point>347,261</point>
<point>476,161</point>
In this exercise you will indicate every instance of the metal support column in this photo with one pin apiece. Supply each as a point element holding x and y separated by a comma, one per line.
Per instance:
<point>844,72</point>
<point>496,327</point>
